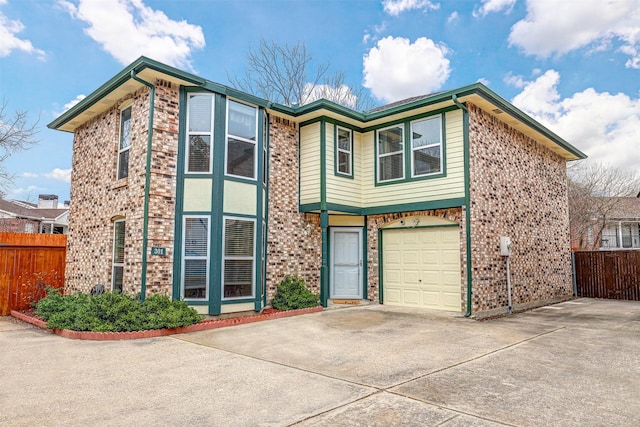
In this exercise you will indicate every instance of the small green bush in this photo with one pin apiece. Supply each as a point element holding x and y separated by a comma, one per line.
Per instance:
<point>293,293</point>
<point>113,312</point>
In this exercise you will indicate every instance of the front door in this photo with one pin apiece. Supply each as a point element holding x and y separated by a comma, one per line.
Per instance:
<point>346,263</point>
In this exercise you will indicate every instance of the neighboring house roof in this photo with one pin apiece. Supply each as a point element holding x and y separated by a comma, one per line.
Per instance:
<point>147,69</point>
<point>22,210</point>
<point>626,208</point>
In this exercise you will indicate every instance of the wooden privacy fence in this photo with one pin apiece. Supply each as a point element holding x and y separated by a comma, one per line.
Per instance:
<point>28,264</point>
<point>608,274</point>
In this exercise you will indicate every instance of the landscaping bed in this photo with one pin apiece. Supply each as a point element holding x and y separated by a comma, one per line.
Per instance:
<point>267,314</point>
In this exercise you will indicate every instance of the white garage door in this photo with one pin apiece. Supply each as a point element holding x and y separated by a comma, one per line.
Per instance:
<point>421,268</point>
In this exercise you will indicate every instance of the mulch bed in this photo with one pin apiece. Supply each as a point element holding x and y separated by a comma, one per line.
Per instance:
<point>266,314</point>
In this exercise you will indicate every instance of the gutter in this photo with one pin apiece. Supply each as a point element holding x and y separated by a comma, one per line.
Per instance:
<point>147,183</point>
<point>467,198</point>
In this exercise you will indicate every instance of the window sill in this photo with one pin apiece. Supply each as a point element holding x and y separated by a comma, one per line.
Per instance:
<point>124,182</point>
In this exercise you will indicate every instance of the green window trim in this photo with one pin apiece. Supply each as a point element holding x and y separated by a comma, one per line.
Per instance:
<point>407,161</point>
<point>234,163</point>
<point>389,154</point>
<point>338,130</point>
<point>124,142</point>
<point>200,134</point>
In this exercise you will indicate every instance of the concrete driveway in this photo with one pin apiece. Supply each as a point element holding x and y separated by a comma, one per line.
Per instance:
<point>575,363</point>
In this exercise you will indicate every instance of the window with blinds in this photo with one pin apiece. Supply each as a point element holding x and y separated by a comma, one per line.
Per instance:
<point>117,270</point>
<point>390,153</point>
<point>195,257</point>
<point>238,258</point>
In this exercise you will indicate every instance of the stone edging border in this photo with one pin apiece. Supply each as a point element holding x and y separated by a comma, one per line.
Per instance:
<point>202,326</point>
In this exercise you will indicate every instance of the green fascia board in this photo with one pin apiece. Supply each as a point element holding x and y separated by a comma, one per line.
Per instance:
<point>378,210</point>
<point>509,108</point>
<point>119,79</point>
<point>143,63</point>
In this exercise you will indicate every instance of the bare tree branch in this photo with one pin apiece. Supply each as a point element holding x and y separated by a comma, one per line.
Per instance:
<point>280,73</point>
<point>596,191</point>
<point>16,134</point>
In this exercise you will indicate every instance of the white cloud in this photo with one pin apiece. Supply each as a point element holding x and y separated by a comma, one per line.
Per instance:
<point>396,7</point>
<point>73,102</point>
<point>515,81</point>
<point>484,81</point>
<point>396,68</point>
<point>29,175</point>
<point>60,175</point>
<point>377,30</point>
<point>605,126</point>
<point>20,190</point>
<point>127,29</point>
<point>489,6</point>
<point>9,41</point>
<point>453,17</point>
<point>553,27</point>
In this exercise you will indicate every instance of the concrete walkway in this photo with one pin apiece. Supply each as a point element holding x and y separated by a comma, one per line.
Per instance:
<point>575,363</point>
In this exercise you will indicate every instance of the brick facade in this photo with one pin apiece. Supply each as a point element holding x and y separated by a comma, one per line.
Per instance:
<point>518,188</point>
<point>294,242</point>
<point>99,198</point>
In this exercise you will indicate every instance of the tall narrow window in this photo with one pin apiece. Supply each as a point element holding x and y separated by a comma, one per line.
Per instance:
<point>125,143</point>
<point>118,255</point>
<point>242,121</point>
<point>199,133</point>
<point>238,259</point>
<point>344,151</point>
<point>426,146</point>
<point>195,255</point>
<point>391,153</point>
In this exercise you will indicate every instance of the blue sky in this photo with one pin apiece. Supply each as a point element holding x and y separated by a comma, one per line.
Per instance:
<point>573,65</point>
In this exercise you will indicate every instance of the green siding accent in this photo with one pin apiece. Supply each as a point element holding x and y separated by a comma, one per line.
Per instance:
<point>177,242</point>
<point>323,165</point>
<point>467,203</point>
<point>365,261</point>
<point>377,210</point>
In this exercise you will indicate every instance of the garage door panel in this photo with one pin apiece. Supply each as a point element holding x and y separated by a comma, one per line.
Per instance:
<point>421,268</point>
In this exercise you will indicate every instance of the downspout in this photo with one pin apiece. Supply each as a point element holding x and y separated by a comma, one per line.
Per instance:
<point>467,198</point>
<point>147,183</point>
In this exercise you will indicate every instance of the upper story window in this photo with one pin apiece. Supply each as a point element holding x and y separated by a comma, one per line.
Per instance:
<point>199,133</point>
<point>391,153</point>
<point>242,132</point>
<point>124,143</point>
<point>344,151</point>
<point>426,146</point>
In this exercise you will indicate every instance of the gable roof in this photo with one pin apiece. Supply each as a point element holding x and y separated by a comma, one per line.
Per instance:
<point>147,69</point>
<point>22,210</point>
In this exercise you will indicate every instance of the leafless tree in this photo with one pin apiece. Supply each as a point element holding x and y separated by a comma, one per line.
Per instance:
<point>283,74</point>
<point>15,134</point>
<point>596,191</point>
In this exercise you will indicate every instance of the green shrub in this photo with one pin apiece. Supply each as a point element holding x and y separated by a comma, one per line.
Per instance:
<point>293,293</point>
<point>113,312</point>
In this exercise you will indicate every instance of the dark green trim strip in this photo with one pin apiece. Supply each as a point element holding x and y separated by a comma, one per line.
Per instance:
<point>467,203</point>
<point>147,183</point>
<point>377,210</point>
<point>324,269</point>
<point>180,172</point>
<point>365,261</point>
<point>323,165</point>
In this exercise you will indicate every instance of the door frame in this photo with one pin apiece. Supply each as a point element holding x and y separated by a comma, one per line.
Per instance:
<point>332,231</point>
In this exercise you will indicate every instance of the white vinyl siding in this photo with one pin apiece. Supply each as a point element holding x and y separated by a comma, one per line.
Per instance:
<point>310,164</point>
